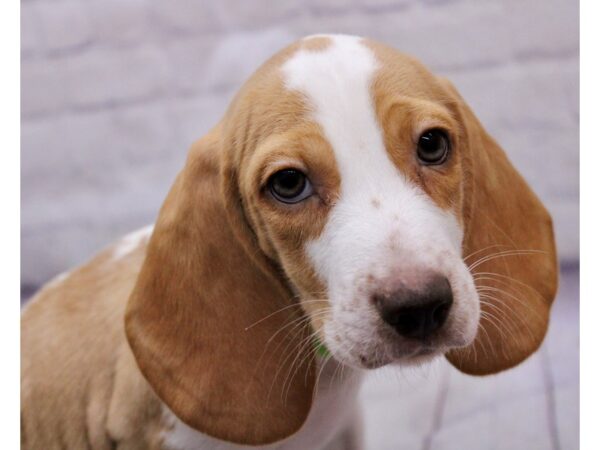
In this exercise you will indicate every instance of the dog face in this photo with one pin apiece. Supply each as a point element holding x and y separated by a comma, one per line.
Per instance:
<point>346,188</point>
<point>359,198</point>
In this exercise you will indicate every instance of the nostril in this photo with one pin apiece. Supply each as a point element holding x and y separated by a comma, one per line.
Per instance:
<point>440,312</point>
<point>417,314</point>
<point>409,322</point>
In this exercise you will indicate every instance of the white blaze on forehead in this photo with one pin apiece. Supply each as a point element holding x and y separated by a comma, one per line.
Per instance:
<point>336,82</point>
<point>383,226</point>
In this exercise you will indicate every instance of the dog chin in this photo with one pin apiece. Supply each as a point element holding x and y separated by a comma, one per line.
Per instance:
<point>418,357</point>
<point>378,359</point>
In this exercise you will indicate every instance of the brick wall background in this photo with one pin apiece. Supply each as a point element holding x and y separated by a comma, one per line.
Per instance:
<point>114,91</point>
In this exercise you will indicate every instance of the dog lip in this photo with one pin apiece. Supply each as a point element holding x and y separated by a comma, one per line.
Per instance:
<point>421,351</point>
<point>372,364</point>
<point>425,351</point>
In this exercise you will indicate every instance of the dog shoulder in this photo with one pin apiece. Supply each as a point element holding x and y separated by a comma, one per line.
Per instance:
<point>72,347</point>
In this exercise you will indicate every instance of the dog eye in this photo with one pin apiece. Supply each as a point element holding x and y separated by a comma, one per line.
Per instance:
<point>433,147</point>
<point>290,186</point>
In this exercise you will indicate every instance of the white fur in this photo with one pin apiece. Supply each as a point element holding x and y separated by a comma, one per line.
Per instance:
<point>131,241</point>
<point>58,279</point>
<point>333,411</point>
<point>382,226</point>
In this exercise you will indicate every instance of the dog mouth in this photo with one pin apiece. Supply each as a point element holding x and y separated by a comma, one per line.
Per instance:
<point>382,354</point>
<point>376,360</point>
<point>383,346</point>
<point>425,351</point>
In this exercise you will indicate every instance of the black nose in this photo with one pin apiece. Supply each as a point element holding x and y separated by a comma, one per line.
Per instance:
<point>417,313</point>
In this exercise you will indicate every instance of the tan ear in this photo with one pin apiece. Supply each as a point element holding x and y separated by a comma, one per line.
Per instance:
<point>203,318</point>
<point>509,246</point>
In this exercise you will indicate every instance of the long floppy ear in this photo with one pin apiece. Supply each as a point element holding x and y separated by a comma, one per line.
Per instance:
<point>509,247</point>
<point>207,321</point>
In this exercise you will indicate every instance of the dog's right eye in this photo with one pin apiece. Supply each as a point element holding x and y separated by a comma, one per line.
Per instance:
<point>290,186</point>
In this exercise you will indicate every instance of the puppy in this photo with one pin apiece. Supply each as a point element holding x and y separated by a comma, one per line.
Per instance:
<point>348,212</point>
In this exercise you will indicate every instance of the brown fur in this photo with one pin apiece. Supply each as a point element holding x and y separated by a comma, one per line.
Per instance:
<point>224,255</point>
<point>503,214</point>
<point>80,387</point>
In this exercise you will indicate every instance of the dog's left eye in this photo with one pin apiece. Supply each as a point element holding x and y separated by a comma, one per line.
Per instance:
<point>433,147</point>
<point>290,186</point>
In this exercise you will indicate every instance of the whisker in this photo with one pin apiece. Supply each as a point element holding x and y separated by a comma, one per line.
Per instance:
<point>298,326</point>
<point>323,364</point>
<point>500,310</point>
<point>522,321</point>
<point>516,299</point>
<point>505,280</point>
<point>504,254</point>
<point>501,346</point>
<point>294,324</point>
<point>482,328</point>
<point>299,346</point>
<point>291,372</point>
<point>341,367</point>
<point>282,365</point>
<point>483,249</point>
<point>498,324</point>
<point>315,356</point>
<point>306,342</point>
<point>283,309</point>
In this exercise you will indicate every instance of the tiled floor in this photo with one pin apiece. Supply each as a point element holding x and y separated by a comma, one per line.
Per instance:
<point>532,407</point>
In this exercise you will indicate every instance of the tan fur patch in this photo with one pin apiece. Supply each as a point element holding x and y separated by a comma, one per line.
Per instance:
<point>316,43</point>
<point>405,111</point>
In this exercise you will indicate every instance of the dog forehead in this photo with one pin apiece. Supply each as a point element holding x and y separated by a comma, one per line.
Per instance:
<point>324,61</point>
<point>335,75</point>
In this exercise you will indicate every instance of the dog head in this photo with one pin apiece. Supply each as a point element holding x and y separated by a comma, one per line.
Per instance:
<point>349,196</point>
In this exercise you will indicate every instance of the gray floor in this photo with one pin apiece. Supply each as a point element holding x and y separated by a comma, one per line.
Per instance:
<point>534,406</point>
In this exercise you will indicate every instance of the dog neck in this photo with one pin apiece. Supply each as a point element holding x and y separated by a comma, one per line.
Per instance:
<point>334,407</point>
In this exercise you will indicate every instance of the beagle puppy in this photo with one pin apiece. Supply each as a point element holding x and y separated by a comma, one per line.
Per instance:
<point>348,212</point>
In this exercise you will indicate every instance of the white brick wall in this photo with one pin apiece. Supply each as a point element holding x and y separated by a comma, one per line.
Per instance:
<point>114,91</point>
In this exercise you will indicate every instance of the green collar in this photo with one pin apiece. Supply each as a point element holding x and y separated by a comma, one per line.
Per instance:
<point>322,351</point>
